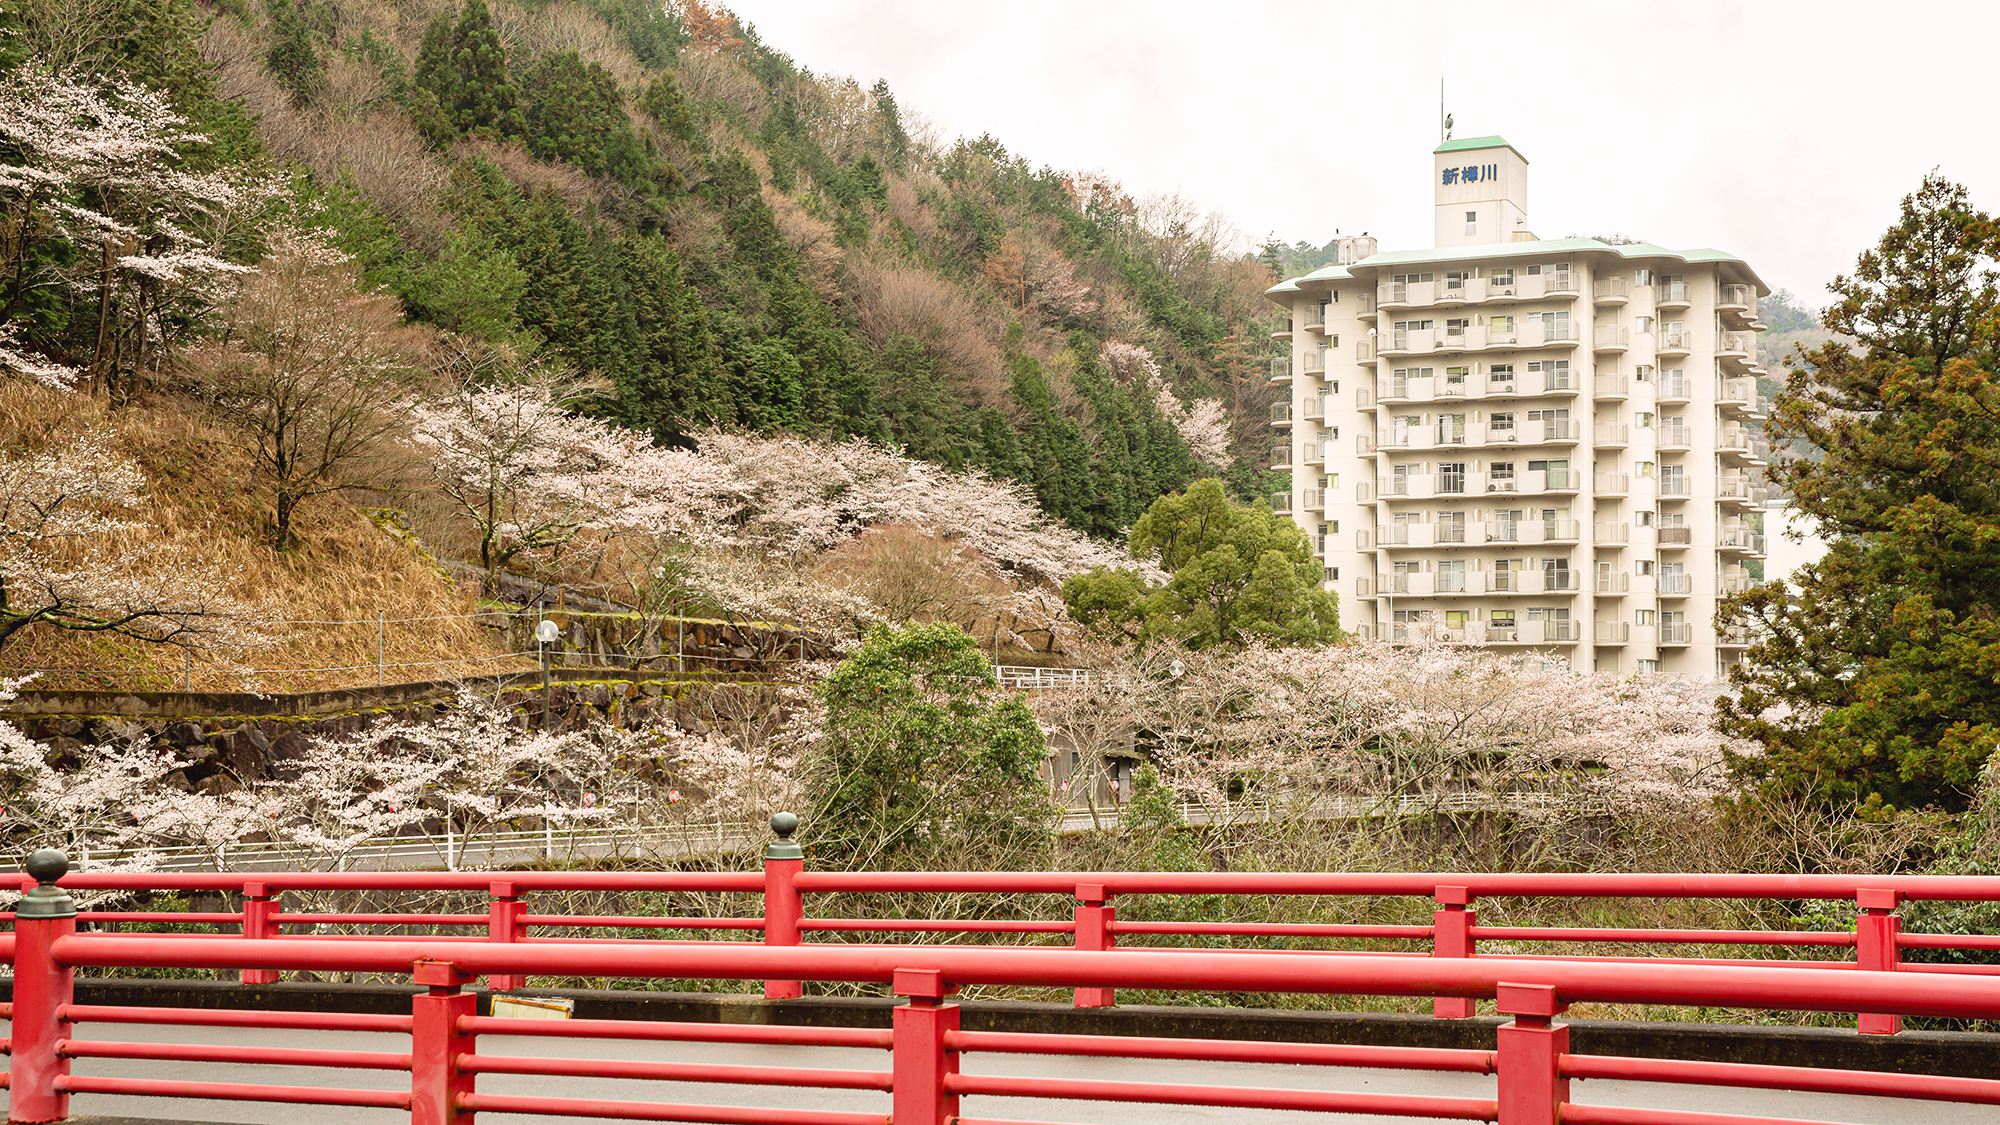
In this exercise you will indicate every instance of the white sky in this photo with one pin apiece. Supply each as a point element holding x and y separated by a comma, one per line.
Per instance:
<point>1783,132</point>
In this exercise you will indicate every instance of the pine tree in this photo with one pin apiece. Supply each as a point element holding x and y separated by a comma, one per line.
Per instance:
<point>1881,665</point>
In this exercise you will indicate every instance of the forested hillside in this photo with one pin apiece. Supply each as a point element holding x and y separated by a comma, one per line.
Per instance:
<point>649,195</point>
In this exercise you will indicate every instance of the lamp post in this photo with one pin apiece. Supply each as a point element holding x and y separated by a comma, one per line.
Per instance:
<point>546,634</point>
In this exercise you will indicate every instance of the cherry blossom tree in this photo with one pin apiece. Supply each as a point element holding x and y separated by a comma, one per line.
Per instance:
<point>73,557</point>
<point>98,165</point>
<point>1204,426</point>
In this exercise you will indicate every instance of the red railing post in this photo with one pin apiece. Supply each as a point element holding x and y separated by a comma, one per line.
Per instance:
<point>1451,936</point>
<point>1094,918</point>
<point>783,906</point>
<point>1531,1047</point>
<point>437,1043</point>
<point>42,989</point>
<point>1876,928</point>
<point>921,1060</point>
<point>504,912</point>
<point>260,920</point>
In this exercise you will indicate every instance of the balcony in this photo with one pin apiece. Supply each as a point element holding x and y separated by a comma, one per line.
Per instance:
<point>1611,534</point>
<point>1613,632</point>
<point>1450,484</point>
<point>1314,453</point>
<point>1673,340</point>
<point>1737,345</point>
<point>1734,582</point>
<point>1613,582</point>
<point>1399,390</point>
<point>1364,587</point>
<point>1558,281</point>
<point>1741,488</point>
<point>1611,388</point>
<point>1313,499</point>
<point>1738,302</point>
<point>1531,531</point>
<point>1281,414</point>
<point>1364,445</point>
<point>1281,455</point>
<point>1736,394</point>
<point>1672,437</point>
<point>1364,350</point>
<point>1674,488</point>
<point>1364,492</point>
<point>1677,633</point>
<point>1675,386</point>
<point>1281,370</point>
<point>1676,536</point>
<point>1676,585</point>
<point>1315,361</point>
<point>1281,502</point>
<point>1671,295</point>
<point>1281,329</point>
<point>1616,435</point>
<point>1612,338</point>
<point>1313,407</point>
<point>1561,581</point>
<point>1611,484</point>
<point>1449,533</point>
<point>1733,439</point>
<point>1364,398</point>
<point>1448,434</point>
<point>1739,539</point>
<point>1611,290</point>
<point>1533,482</point>
<point>1733,638</point>
<point>1398,438</point>
<point>1562,379</point>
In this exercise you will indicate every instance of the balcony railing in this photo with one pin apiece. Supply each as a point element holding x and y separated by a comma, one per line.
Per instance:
<point>1315,361</point>
<point>1734,582</point>
<point>1448,484</point>
<point>1733,437</point>
<point>1738,344</point>
<point>1559,630</point>
<point>1737,297</point>
<point>1740,539</point>
<point>1281,412</point>
<point>1677,633</point>
<point>1364,350</point>
<point>1611,484</point>
<point>1675,486</point>
<point>1675,387</point>
<point>1613,386</point>
<point>1449,533</point>
<point>1313,407</point>
<point>1281,501</point>
<point>1614,433</point>
<point>1611,290</point>
<point>1560,530</point>
<point>1448,434</point>
<point>1613,632</point>
<point>1561,580</point>
<point>1667,293</point>
<point>1281,455</point>
<point>1364,398</point>
<point>1558,281</point>
<point>1679,585</point>
<point>1561,379</point>
<point>1676,536</point>
<point>1611,534</point>
<point>1612,338</point>
<point>1616,582</point>
<point>1364,444</point>
<point>1675,437</point>
<point>1281,327</point>
<point>1314,453</point>
<point>1313,499</point>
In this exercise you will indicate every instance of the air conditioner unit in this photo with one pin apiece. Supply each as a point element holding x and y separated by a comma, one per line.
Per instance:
<point>1504,291</point>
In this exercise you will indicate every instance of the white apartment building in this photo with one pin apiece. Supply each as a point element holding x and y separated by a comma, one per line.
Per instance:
<point>1550,444</point>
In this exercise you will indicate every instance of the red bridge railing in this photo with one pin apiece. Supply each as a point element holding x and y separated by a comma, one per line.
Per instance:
<point>786,888</point>
<point>923,1081</point>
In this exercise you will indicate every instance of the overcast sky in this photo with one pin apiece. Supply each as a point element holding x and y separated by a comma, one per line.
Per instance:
<point>1784,133</point>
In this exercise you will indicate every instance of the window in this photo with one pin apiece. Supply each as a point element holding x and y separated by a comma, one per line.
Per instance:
<point>1472,222</point>
<point>1503,619</point>
<point>1500,479</point>
<point>1455,329</point>
<point>1501,330</point>
<point>1451,529</point>
<point>1333,574</point>
<point>1643,373</point>
<point>1451,429</point>
<point>1458,618</point>
<point>1500,372</point>
<point>1500,279</point>
<point>1643,469</point>
<point>1643,519</point>
<point>1644,567</point>
<point>1451,478</point>
<point>1644,419</point>
<point>1502,423</point>
<point>1642,277</point>
<point>1454,282</point>
<point>1454,380</point>
<point>1407,278</point>
<point>1642,617</point>
<point>1642,324</point>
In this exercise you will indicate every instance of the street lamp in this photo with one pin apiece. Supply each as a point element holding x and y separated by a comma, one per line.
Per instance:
<point>546,634</point>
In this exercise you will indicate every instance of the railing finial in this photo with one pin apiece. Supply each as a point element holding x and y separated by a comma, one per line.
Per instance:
<point>46,900</point>
<point>784,847</point>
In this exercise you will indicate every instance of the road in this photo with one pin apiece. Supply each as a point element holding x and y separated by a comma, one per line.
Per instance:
<point>1862,1111</point>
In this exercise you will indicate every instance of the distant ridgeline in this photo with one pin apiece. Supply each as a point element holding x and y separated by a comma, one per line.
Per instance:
<point>660,198</point>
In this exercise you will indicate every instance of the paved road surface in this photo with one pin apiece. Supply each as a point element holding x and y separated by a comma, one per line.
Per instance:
<point>1863,1111</point>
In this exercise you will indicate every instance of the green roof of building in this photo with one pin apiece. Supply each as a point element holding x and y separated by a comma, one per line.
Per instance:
<point>1464,144</point>
<point>1547,246</point>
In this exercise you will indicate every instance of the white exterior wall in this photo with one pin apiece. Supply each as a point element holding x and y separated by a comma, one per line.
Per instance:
<point>1617,513</point>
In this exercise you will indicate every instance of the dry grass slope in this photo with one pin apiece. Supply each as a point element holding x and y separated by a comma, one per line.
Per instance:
<point>203,497</point>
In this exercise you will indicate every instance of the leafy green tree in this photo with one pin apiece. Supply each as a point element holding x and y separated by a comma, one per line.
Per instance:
<point>464,71</point>
<point>1875,681</point>
<point>1238,573</point>
<point>293,58</point>
<point>575,114</point>
<point>926,760</point>
<point>675,385</point>
<point>472,286</point>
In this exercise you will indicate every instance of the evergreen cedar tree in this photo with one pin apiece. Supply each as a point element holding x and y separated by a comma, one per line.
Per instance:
<point>922,744</point>
<point>1237,573</point>
<point>1875,680</point>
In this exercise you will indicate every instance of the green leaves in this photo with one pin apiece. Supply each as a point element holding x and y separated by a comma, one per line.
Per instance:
<point>1237,572</point>
<point>926,758</point>
<point>1886,663</point>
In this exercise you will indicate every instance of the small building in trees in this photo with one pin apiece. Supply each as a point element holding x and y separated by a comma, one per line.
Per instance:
<point>1548,443</point>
